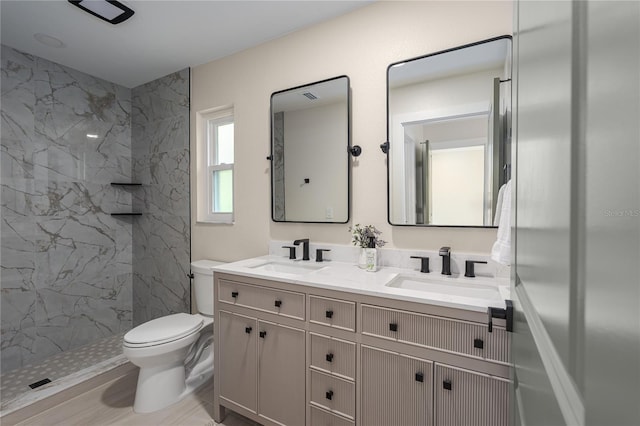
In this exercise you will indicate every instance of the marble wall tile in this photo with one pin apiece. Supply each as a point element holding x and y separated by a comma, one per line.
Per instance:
<point>277,164</point>
<point>18,95</point>
<point>154,297</point>
<point>67,270</point>
<point>163,98</point>
<point>17,346</point>
<point>17,251</point>
<point>161,237</point>
<point>71,272</point>
<point>73,250</point>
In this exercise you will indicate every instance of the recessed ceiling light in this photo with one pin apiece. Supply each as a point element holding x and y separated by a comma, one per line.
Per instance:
<point>113,12</point>
<point>48,40</point>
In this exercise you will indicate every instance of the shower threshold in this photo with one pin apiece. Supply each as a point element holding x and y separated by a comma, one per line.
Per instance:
<point>66,370</point>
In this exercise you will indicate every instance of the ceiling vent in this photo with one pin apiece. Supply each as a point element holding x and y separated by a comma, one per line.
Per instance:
<point>310,96</point>
<point>111,11</point>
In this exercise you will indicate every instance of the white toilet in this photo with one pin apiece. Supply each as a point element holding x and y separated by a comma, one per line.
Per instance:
<point>175,352</point>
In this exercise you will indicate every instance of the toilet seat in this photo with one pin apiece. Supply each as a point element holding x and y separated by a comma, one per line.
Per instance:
<point>163,330</point>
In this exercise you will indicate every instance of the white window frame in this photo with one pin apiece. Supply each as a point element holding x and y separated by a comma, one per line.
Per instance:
<point>206,123</point>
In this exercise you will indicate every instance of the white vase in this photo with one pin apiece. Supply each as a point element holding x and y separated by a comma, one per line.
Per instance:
<point>362,259</point>
<point>371,254</point>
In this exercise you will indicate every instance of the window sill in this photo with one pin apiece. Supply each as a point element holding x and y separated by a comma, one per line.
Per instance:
<point>214,222</point>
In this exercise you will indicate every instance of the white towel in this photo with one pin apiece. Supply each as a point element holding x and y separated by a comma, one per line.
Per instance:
<point>496,216</point>
<point>501,250</point>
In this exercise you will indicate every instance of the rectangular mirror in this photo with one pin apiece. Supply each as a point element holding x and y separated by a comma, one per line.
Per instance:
<point>310,177</point>
<point>449,134</point>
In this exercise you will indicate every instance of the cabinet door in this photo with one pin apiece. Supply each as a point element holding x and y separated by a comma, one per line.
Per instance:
<point>238,353</point>
<point>396,389</point>
<point>468,398</point>
<point>281,374</point>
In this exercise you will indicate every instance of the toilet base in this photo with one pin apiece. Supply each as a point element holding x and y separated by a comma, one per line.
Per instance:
<point>158,388</point>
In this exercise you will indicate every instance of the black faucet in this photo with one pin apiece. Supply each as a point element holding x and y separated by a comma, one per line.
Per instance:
<point>469,268</point>
<point>319,254</point>
<point>445,252</point>
<point>424,263</point>
<point>305,247</point>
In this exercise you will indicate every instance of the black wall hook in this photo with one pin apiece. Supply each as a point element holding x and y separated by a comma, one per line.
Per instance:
<point>384,147</point>
<point>355,150</point>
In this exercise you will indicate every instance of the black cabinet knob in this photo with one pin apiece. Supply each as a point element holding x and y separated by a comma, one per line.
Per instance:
<point>329,357</point>
<point>248,330</point>
<point>393,326</point>
<point>278,303</point>
<point>329,395</point>
<point>478,343</point>
<point>263,334</point>
<point>419,377</point>
<point>446,384</point>
<point>234,294</point>
<point>328,314</point>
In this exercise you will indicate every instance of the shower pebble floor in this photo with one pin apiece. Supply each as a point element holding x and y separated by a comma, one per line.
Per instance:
<point>65,370</point>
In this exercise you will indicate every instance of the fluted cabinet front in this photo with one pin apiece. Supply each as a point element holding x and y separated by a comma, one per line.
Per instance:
<point>464,397</point>
<point>396,389</point>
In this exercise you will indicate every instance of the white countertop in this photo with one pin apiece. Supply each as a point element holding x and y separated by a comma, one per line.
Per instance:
<point>342,276</point>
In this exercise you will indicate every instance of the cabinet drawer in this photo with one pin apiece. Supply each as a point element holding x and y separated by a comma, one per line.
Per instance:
<point>333,394</point>
<point>463,337</point>
<point>280,302</point>
<point>465,397</point>
<point>332,312</point>
<point>321,417</point>
<point>333,355</point>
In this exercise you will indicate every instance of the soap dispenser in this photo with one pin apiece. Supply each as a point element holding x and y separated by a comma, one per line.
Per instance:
<point>371,254</point>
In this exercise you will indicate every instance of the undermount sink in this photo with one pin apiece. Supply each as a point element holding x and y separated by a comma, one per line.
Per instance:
<point>448,286</point>
<point>287,267</point>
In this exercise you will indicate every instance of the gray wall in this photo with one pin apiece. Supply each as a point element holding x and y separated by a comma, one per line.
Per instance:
<point>162,235</point>
<point>66,263</point>
<point>576,345</point>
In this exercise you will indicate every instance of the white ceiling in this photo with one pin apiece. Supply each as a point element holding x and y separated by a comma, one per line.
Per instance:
<point>162,36</point>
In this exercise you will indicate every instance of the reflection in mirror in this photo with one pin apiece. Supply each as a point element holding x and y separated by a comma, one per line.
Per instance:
<point>309,156</point>
<point>449,135</point>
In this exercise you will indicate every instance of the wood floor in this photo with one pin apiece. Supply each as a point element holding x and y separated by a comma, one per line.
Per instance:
<point>112,404</point>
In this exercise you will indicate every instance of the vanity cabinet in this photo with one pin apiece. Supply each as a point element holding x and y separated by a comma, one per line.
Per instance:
<point>293,354</point>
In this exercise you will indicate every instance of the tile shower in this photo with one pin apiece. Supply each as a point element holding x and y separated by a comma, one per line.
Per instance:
<point>72,273</point>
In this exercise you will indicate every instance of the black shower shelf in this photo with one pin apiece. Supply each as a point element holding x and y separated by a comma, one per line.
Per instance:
<point>125,184</point>
<point>126,214</point>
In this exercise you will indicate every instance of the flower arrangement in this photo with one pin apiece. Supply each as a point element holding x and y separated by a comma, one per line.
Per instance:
<point>360,235</point>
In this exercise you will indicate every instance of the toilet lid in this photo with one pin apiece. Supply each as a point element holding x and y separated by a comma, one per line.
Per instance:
<point>171,327</point>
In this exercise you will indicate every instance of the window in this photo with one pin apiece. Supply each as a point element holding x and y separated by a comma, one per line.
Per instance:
<point>215,165</point>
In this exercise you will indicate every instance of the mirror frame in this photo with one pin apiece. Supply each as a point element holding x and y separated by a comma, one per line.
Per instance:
<point>346,150</point>
<point>385,145</point>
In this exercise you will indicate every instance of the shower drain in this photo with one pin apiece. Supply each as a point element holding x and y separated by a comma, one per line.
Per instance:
<point>39,383</point>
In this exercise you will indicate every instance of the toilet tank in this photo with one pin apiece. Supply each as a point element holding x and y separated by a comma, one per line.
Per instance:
<point>203,284</point>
